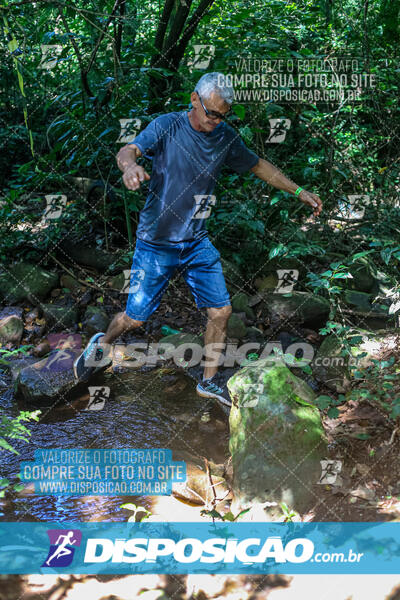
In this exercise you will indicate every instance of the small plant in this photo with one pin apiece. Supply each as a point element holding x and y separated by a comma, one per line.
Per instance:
<point>4,354</point>
<point>288,513</point>
<point>330,404</point>
<point>136,509</point>
<point>228,516</point>
<point>328,279</point>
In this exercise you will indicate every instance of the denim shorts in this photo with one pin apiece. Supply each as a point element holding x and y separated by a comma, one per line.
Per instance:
<point>198,261</point>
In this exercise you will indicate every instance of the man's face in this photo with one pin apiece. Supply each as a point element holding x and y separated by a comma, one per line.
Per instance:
<point>214,103</point>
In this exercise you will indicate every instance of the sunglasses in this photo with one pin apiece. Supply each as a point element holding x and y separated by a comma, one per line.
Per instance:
<point>213,114</point>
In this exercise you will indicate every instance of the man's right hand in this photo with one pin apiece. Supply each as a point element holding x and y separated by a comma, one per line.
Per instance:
<point>134,176</point>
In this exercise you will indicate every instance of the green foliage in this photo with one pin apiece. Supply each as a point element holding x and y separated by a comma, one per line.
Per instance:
<point>331,149</point>
<point>377,384</point>
<point>12,428</point>
<point>328,279</point>
<point>328,404</point>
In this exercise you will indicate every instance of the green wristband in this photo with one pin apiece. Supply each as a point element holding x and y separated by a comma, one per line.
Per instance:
<point>298,191</point>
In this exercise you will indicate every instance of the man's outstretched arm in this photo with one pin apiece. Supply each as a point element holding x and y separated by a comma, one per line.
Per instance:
<point>269,173</point>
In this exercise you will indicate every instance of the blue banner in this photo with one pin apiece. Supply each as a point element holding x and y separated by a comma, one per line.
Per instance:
<point>181,548</point>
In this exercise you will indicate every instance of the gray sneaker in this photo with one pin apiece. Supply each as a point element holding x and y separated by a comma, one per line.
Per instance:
<point>85,364</point>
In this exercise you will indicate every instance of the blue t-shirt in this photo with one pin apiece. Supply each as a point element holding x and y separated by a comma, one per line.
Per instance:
<point>186,164</point>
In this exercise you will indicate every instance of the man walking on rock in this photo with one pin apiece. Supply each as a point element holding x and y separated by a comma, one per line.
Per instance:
<point>188,150</point>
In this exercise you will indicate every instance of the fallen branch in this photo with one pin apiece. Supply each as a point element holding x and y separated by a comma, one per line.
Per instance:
<point>82,281</point>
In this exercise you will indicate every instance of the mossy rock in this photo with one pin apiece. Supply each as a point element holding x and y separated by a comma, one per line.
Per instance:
<point>60,317</point>
<point>236,327</point>
<point>301,307</point>
<point>26,281</point>
<point>276,437</point>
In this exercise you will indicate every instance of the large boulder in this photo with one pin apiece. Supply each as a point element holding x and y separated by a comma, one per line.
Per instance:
<point>363,302</point>
<point>96,319</point>
<point>276,438</point>
<point>25,281</point>
<point>283,263</point>
<point>16,365</point>
<point>49,379</point>
<point>336,358</point>
<point>240,303</point>
<point>268,283</point>
<point>302,307</point>
<point>177,339</point>
<point>331,365</point>
<point>233,276</point>
<point>361,278</point>
<point>236,327</point>
<point>85,255</point>
<point>69,282</point>
<point>188,348</point>
<point>59,316</point>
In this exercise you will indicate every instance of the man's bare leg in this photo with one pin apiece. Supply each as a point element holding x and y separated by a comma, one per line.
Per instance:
<point>215,333</point>
<point>121,323</point>
<point>99,347</point>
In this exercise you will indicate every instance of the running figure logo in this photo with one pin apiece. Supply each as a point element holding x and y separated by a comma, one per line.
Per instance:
<point>203,205</point>
<point>98,397</point>
<point>330,471</point>
<point>287,278</point>
<point>60,552</point>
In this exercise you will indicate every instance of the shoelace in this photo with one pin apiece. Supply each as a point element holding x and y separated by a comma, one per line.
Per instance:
<point>212,387</point>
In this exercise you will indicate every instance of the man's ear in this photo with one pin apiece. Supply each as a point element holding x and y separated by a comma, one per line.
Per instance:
<point>194,98</point>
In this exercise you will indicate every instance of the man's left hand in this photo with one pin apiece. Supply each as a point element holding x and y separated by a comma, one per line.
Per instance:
<point>312,200</point>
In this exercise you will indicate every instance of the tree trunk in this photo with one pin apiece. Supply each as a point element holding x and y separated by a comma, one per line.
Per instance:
<point>170,42</point>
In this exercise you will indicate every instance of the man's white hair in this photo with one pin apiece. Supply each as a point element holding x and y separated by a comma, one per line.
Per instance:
<point>215,82</point>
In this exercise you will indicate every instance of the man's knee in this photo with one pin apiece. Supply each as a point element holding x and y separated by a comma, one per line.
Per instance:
<point>219,315</point>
